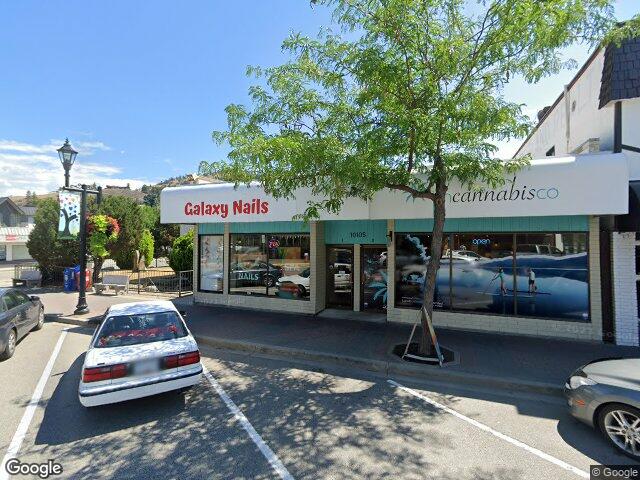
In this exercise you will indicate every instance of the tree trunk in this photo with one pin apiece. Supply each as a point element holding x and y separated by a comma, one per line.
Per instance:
<point>426,345</point>
<point>97,268</point>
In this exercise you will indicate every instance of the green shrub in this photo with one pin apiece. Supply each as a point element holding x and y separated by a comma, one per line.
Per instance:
<point>181,256</point>
<point>146,247</point>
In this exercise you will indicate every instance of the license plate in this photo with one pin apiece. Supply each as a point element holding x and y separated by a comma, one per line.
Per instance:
<point>146,367</point>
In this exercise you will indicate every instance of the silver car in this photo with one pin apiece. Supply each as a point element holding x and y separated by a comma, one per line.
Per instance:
<point>605,394</point>
<point>19,314</point>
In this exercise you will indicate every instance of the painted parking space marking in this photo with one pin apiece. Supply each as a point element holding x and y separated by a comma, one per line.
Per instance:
<point>495,433</point>
<point>25,421</point>
<point>271,457</point>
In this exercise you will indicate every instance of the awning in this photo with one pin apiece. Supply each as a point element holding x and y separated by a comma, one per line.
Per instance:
<point>631,221</point>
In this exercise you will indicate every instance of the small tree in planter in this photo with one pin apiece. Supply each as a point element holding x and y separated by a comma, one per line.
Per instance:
<point>181,256</point>
<point>146,247</point>
<point>102,231</point>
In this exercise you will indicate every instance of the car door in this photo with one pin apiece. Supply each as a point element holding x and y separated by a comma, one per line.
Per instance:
<point>30,308</point>
<point>11,313</point>
<point>19,311</point>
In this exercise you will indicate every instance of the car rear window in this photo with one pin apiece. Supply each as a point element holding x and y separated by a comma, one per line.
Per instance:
<point>136,329</point>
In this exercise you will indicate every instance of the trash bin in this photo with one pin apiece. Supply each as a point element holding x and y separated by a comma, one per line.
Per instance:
<point>69,280</point>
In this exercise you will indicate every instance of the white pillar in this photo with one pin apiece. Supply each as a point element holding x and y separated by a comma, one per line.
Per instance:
<point>9,252</point>
<point>357,277</point>
<point>625,302</point>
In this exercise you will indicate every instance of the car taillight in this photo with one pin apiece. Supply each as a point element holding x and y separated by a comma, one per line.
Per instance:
<point>181,360</point>
<point>98,374</point>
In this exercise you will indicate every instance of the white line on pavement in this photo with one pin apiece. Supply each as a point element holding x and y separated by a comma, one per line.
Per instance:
<point>271,457</point>
<point>23,426</point>
<point>506,438</point>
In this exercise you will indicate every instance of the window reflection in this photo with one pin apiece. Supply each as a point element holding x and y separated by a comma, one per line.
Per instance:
<point>211,263</point>
<point>552,275</point>
<point>412,256</point>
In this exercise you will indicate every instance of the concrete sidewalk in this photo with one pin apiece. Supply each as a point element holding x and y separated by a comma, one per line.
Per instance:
<point>482,359</point>
<point>490,360</point>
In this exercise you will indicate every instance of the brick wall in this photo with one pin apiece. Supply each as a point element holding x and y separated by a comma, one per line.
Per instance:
<point>624,288</point>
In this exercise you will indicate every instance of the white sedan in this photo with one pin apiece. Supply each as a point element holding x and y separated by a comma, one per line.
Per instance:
<point>140,349</point>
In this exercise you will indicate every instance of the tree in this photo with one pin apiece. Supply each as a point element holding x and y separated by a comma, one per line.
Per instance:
<point>406,95</point>
<point>146,247</point>
<point>181,256</point>
<point>44,245</point>
<point>133,219</point>
<point>102,232</point>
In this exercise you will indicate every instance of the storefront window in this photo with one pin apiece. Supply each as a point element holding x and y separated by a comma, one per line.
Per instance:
<point>552,275</point>
<point>482,273</point>
<point>412,256</point>
<point>267,264</point>
<point>290,254</point>
<point>547,278</point>
<point>211,263</point>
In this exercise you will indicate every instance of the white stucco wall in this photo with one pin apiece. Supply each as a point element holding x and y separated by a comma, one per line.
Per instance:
<point>585,119</point>
<point>623,247</point>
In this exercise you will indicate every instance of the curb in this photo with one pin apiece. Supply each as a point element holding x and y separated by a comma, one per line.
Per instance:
<point>70,321</point>
<point>383,367</point>
<point>387,368</point>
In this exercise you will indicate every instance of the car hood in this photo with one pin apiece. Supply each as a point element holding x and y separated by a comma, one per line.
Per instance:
<point>624,372</point>
<point>129,353</point>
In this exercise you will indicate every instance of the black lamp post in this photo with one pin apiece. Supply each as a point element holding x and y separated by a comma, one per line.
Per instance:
<point>67,157</point>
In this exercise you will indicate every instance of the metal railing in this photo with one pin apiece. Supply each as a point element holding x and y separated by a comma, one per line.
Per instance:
<point>162,280</point>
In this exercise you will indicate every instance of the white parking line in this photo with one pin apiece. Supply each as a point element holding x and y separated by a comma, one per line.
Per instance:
<point>271,457</point>
<point>502,436</point>
<point>23,426</point>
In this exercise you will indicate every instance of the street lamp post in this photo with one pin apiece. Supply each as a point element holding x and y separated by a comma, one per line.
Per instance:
<point>67,157</point>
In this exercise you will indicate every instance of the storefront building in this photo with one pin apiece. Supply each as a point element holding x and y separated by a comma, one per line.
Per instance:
<point>523,258</point>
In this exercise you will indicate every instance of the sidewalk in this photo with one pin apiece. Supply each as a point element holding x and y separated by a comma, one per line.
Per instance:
<point>482,359</point>
<point>490,360</point>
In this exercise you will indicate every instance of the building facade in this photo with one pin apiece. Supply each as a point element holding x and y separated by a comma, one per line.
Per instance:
<point>524,258</point>
<point>599,111</point>
<point>15,225</point>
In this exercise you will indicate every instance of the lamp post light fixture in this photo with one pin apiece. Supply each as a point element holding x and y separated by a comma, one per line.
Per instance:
<point>67,156</point>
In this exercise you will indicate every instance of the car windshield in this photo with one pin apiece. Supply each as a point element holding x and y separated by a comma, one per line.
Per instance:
<point>136,329</point>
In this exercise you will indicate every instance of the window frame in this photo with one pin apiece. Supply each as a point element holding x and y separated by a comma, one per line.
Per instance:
<point>267,261</point>
<point>515,313</point>
<point>200,289</point>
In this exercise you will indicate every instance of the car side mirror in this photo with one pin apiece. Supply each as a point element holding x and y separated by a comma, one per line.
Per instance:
<point>34,298</point>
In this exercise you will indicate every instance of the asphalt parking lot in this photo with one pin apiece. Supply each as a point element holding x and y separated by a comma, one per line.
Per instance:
<point>264,418</point>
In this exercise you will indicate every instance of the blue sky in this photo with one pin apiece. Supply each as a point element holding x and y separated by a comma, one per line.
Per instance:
<point>139,86</point>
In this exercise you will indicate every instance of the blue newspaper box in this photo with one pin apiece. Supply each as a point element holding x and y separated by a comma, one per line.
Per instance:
<point>69,279</point>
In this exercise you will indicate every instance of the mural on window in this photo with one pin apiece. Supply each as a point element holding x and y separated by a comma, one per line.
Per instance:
<point>552,275</point>
<point>482,273</point>
<point>211,263</point>
<point>547,278</point>
<point>374,278</point>
<point>412,255</point>
<point>268,264</point>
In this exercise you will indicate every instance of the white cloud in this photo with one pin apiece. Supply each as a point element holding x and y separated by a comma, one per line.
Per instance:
<point>25,166</point>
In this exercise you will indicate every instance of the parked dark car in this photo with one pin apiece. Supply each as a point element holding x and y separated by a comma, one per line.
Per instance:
<point>605,394</point>
<point>19,314</point>
<point>249,274</point>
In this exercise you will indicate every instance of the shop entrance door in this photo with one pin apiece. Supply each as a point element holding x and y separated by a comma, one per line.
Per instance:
<point>340,277</point>
<point>373,278</point>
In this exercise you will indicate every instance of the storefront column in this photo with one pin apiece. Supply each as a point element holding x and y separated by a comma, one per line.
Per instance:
<point>357,277</point>
<point>318,261</point>
<point>226,260</point>
<point>625,304</point>
<point>391,267</point>
<point>9,252</point>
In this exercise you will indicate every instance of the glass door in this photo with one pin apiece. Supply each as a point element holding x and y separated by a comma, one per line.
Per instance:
<point>339,277</point>
<point>374,278</point>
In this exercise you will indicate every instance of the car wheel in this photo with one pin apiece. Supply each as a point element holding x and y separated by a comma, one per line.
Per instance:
<point>269,281</point>
<point>621,425</point>
<point>40,323</point>
<point>9,350</point>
